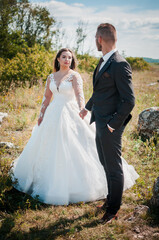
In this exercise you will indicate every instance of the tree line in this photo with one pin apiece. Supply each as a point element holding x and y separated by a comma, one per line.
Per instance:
<point>29,39</point>
<point>23,25</point>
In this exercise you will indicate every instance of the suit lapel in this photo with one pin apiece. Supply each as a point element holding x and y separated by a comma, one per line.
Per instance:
<point>94,74</point>
<point>104,68</point>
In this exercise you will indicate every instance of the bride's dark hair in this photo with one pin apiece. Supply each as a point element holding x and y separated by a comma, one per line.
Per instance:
<point>56,63</point>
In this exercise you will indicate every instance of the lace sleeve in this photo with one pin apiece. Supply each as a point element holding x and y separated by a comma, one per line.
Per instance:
<point>78,89</point>
<point>46,98</point>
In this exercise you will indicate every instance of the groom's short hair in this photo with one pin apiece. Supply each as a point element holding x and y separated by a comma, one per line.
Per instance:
<point>107,31</point>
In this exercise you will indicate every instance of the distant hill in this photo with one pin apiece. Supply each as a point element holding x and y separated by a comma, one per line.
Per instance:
<point>151,60</point>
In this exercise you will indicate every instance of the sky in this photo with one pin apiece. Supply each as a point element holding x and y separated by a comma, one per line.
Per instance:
<point>136,22</point>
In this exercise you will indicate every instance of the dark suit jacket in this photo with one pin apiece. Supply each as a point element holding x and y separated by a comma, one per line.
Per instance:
<point>113,97</point>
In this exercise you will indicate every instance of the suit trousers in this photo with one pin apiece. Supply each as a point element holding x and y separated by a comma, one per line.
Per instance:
<point>109,152</point>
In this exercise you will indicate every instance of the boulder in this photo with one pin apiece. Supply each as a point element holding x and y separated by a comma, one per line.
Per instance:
<point>148,123</point>
<point>7,145</point>
<point>155,198</point>
<point>141,210</point>
<point>2,115</point>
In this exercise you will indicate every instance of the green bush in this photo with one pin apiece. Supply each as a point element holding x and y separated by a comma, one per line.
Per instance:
<point>138,63</point>
<point>36,63</point>
<point>26,68</point>
<point>87,63</point>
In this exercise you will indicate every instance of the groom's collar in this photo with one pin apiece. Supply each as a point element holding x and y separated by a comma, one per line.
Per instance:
<point>108,55</point>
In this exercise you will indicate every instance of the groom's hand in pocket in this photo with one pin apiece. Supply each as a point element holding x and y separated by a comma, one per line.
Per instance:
<point>110,129</point>
<point>83,113</point>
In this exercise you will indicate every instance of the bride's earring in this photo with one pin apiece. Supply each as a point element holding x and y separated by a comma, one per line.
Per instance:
<point>58,64</point>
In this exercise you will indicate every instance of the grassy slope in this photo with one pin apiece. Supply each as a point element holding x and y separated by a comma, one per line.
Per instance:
<point>21,217</point>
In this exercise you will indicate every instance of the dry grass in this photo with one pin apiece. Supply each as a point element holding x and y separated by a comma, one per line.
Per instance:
<point>22,217</point>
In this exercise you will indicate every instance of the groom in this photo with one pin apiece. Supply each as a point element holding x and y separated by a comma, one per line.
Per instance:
<point>110,105</point>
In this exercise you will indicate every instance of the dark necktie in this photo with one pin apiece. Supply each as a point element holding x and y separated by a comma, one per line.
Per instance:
<point>99,64</point>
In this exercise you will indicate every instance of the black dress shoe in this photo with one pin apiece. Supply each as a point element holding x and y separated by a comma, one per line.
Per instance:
<point>103,206</point>
<point>108,217</point>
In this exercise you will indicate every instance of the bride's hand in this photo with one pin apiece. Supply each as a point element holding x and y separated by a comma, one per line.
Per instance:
<point>83,113</point>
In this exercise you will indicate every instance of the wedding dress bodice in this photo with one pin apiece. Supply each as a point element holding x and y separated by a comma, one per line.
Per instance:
<point>68,89</point>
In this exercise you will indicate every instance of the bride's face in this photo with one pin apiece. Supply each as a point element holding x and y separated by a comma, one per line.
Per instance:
<point>65,59</point>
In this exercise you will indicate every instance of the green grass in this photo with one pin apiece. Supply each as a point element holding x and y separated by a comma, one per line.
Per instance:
<point>22,217</point>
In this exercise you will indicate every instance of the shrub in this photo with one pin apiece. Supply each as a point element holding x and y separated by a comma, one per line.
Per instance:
<point>138,63</point>
<point>37,63</point>
<point>26,68</point>
<point>87,63</point>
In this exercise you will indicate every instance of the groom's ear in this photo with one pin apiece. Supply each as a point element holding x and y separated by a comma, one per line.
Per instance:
<point>100,39</point>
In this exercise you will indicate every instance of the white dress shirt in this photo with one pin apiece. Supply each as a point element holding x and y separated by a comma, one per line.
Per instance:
<point>106,57</point>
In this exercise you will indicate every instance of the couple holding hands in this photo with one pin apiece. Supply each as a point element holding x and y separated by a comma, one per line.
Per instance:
<point>67,160</point>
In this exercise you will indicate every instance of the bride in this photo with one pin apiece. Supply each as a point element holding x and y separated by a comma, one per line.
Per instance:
<point>59,164</point>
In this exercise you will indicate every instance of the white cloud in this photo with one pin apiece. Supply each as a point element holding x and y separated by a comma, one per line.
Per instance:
<point>137,32</point>
<point>78,4</point>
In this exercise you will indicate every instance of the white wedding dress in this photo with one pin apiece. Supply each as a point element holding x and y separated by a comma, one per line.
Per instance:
<point>59,164</point>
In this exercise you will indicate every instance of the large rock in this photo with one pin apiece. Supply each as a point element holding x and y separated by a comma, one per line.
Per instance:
<point>139,211</point>
<point>2,115</point>
<point>155,197</point>
<point>7,145</point>
<point>148,123</point>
